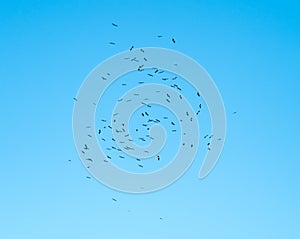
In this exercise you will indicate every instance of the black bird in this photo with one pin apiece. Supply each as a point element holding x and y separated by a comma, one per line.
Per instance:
<point>115,25</point>
<point>75,99</point>
<point>141,166</point>
<point>112,43</point>
<point>88,177</point>
<point>172,123</point>
<point>89,159</point>
<point>159,36</point>
<point>173,40</point>
<point>234,112</point>
<point>131,48</point>
<point>114,199</point>
<point>150,75</point>
<point>198,94</point>
<point>86,147</point>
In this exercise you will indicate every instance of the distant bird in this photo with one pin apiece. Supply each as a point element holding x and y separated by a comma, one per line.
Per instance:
<point>234,112</point>
<point>158,158</point>
<point>131,48</point>
<point>88,177</point>
<point>115,25</point>
<point>172,123</point>
<point>141,166</point>
<point>112,43</point>
<point>173,40</point>
<point>75,99</point>
<point>198,94</point>
<point>150,75</point>
<point>159,36</point>
<point>86,147</point>
<point>114,199</point>
<point>89,159</point>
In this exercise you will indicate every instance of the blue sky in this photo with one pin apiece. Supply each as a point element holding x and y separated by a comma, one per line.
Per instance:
<point>250,48</point>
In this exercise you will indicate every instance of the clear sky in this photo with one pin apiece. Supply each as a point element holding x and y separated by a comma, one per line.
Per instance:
<point>250,48</point>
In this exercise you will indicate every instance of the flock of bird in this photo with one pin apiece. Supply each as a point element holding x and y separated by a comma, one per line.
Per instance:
<point>146,115</point>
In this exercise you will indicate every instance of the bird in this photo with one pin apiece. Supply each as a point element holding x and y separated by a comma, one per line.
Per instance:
<point>75,99</point>
<point>86,147</point>
<point>158,158</point>
<point>131,48</point>
<point>159,36</point>
<point>173,40</point>
<point>114,199</point>
<point>198,94</point>
<point>88,177</point>
<point>115,25</point>
<point>112,43</point>
<point>89,159</point>
<point>234,112</point>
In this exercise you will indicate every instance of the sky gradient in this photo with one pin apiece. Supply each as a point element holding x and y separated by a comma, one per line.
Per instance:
<point>250,48</point>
